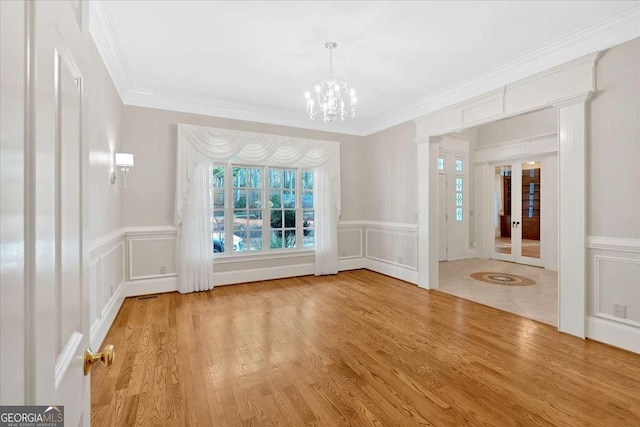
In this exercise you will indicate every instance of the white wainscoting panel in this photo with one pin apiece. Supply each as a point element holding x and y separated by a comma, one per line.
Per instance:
<point>392,247</point>
<point>614,278</point>
<point>151,257</point>
<point>106,283</point>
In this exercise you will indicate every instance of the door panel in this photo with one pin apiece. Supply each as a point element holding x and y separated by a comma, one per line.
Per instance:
<point>530,212</point>
<point>60,305</point>
<point>502,220</point>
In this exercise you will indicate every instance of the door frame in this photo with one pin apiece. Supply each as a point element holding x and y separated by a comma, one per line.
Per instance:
<point>567,88</point>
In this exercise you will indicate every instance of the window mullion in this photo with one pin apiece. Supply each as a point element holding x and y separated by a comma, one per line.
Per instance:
<point>266,212</point>
<point>228,209</point>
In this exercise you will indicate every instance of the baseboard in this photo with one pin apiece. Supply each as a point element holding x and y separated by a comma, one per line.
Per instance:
<point>151,286</point>
<point>614,333</point>
<point>351,264</point>
<point>260,274</point>
<point>392,270</point>
<point>100,326</point>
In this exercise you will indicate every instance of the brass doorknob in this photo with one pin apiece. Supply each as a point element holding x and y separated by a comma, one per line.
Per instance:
<point>105,356</point>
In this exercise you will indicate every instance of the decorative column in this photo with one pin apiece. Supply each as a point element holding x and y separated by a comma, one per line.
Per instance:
<point>427,212</point>
<point>572,215</point>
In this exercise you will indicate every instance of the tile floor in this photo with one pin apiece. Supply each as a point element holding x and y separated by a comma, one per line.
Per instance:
<point>538,302</point>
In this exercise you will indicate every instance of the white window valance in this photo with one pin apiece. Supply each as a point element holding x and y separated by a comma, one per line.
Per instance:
<point>198,147</point>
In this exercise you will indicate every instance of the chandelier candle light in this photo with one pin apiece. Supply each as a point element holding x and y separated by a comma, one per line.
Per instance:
<point>332,98</point>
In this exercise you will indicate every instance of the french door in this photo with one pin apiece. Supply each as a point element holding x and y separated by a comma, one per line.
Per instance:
<point>517,212</point>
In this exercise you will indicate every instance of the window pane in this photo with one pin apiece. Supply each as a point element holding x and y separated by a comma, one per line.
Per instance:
<point>276,219</point>
<point>458,214</point>
<point>289,199</point>
<point>255,240</point>
<point>239,240</point>
<point>218,246</point>
<point>308,239</point>
<point>440,163</point>
<point>459,199</point>
<point>275,199</point>
<point>275,178</point>
<point>217,222</point>
<point>458,184</point>
<point>276,239</point>
<point>255,199</point>
<point>458,165</point>
<point>239,198</point>
<point>307,199</point>
<point>289,179</point>
<point>290,238</point>
<point>218,197</point>
<point>255,178</point>
<point>218,176</point>
<point>307,219</point>
<point>307,180</point>
<point>289,218</point>
<point>239,177</point>
<point>240,219</point>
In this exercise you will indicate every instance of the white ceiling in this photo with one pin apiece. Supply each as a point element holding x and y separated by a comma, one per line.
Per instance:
<point>255,60</point>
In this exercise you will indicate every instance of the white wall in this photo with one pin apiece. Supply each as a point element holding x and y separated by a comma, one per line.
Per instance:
<point>613,187</point>
<point>105,139</point>
<point>106,254</point>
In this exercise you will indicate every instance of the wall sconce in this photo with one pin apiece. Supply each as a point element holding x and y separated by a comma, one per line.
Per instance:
<point>124,161</point>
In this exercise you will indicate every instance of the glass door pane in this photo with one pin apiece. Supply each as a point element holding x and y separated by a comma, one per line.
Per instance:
<point>531,210</point>
<point>502,209</point>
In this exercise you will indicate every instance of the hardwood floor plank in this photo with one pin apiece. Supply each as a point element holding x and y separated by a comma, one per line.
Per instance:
<point>355,349</point>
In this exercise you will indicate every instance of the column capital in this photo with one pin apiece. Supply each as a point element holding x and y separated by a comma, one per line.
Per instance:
<point>582,98</point>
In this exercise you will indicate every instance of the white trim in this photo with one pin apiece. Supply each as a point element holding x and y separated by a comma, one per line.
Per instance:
<point>613,333</point>
<point>101,325</point>
<point>618,244</point>
<point>104,34</point>
<point>66,356</point>
<point>392,270</point>
<point>262,256</point>
<point>610,31</point>
<point>351,263</point>
<point>150,286</point>
<point>378,224</point>
<point>262,274</point>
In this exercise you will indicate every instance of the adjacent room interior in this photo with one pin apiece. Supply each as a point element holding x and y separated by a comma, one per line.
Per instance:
<point>320,213</point>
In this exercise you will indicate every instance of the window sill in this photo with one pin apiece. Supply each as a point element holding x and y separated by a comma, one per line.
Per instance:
<point>260,256</point>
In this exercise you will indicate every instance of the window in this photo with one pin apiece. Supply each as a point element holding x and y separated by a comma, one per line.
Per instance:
<point>440,163</point>
<point>458,165</point>
<point>266,209</point>
<point>459,199</point>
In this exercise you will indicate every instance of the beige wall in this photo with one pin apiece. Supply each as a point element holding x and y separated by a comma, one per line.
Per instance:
<point>613,154</point>
<point>391,176</point>
<point>151,134</point>
<point>105,138</point>
<point>536,123</point>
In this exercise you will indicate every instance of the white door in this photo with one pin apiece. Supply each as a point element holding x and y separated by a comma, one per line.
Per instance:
<point>48,205</point>
<point>516,220</point>
<point>442,217</point>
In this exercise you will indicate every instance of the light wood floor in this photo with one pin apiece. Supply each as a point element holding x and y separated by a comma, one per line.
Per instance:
<point>358,348</point>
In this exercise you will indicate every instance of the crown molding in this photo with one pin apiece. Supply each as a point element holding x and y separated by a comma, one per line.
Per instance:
<point>612,30</point>
<point>104,33</point>
<point>208,107</point>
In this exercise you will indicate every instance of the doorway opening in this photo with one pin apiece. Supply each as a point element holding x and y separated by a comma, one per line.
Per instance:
<point>509,209</point>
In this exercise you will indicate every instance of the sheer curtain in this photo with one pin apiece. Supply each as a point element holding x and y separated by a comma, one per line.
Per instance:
<point>199,146</point>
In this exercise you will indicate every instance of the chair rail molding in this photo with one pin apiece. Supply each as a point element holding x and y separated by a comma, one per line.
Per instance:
<point>566,87</point>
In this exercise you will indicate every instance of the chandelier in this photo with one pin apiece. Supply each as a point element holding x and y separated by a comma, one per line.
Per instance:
<point>332,99</point>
